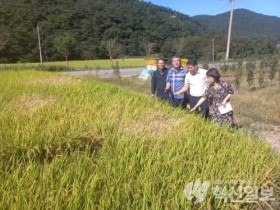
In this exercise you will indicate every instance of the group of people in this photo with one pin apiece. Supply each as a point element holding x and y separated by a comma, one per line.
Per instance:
<point>195,85</point>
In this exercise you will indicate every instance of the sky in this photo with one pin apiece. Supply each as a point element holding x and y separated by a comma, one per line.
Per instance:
<point>214,7</point>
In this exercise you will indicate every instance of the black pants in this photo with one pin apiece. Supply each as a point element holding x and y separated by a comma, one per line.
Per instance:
<point>163,98</point>
<point>180,103</point>
<point>204,108</point>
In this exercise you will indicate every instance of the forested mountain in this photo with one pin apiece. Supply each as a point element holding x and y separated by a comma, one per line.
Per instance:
<point>131,24</point>
<point>92,29</point>
<point>245,23</point>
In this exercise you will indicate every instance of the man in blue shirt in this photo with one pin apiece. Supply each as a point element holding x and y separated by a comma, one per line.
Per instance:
<point>175,81</point>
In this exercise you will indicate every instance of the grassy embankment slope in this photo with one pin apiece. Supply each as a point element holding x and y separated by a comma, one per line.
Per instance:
<point>82,144</point>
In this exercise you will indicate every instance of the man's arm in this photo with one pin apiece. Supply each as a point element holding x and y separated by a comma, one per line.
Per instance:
<point>183,89</point>
<point>168,82</point>
<point>167,86</point>
<point>153,85</point>
<point>201,100</point>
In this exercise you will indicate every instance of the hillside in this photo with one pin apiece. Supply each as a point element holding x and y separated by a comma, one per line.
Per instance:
<point>245,23</point>
<point>90,24</point>
<point>94,29</point>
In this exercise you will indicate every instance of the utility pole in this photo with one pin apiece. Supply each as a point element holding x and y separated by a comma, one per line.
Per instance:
<point>213,50</point>
<point>229,29</point>
<point>39,42</point>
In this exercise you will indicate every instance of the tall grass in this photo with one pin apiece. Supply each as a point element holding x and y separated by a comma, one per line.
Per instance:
<point>69,143</point>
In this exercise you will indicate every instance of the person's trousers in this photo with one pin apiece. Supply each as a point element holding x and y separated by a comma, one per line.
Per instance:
<point>204,108</point>
<point>180,103</point>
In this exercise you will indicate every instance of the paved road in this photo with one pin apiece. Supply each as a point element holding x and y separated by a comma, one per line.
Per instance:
<point>106,73</point>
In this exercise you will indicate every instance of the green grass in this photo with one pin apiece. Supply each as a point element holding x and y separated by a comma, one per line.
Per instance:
<point>79,65</point>
<point>70,143</point>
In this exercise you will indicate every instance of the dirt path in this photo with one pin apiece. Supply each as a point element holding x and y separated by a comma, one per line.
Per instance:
<point>273,137</point>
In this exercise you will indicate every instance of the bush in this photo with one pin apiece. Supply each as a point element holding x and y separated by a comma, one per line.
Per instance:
<point>205,66</point>
<point>274,64</point>
<point>250,66</point>
<point>116,69</point>
<point>53,68</point>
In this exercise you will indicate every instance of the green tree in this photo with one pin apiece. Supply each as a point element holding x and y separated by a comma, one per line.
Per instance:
<point>3,42</point>
<point>261,74</point>
<point>64,44</point>
<point>240,67</point>
<point>261,78</point>
<point>263,64</point>
<point>279,75</point>
<point>205,65</point>
<point>250,66</point>
<point>148,47</point>
<point>179,45</point>
<point>225,67</point>
<point>238,75</point>
<point>113,48</point>
<point>237,78</point>
<point>273,68</point>
<point>278,70</point>
<point>233,68</point>
<point>116,69</point>
<point>220,56</point>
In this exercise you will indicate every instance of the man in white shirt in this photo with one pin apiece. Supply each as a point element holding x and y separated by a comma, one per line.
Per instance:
<point>196,82</point>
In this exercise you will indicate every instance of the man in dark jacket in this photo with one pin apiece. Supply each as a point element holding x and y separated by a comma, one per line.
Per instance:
<point>158,81</point>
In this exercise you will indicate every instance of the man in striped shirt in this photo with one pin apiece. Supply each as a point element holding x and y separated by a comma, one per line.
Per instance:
<point>175,81</point>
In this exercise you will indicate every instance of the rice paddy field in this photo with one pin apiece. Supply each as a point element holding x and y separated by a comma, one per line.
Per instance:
<point>79,143</point>
<point>79,65</point>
